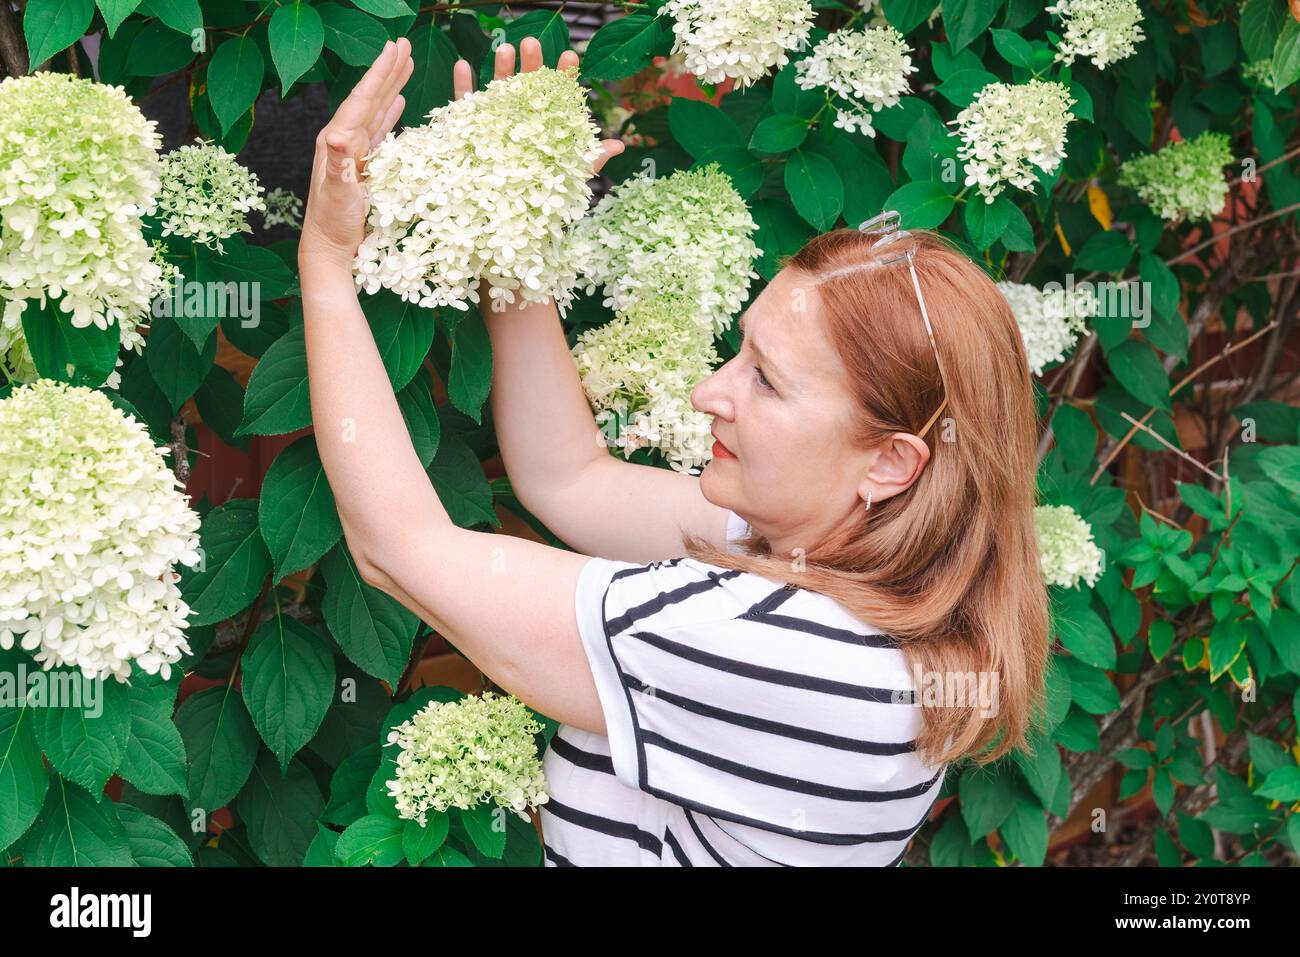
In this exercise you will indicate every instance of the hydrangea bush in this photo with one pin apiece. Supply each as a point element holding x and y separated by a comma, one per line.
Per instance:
<point>1131,146</point>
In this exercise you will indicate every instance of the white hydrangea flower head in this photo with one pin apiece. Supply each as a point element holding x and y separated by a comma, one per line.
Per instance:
<point>1106,31</point>
<point>1050,321</point>
<point>463,753</point>
<point>207,194</point>
<point>72,198</point>
<point>1066,551</point>
<point>738,40</point>
<point>484,191</point>
<point>867,69</point>
<point>638,371</point>
<point>688,234</point>
<point>1009,130</point>
<point>283,206</point>
<point>92,523</point>
<point>1185,179</point>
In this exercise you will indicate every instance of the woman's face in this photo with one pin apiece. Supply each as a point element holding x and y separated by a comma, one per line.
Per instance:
<point>784,460</point>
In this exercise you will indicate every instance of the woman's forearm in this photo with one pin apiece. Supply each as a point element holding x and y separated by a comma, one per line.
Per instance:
<point>544,425</point>
<point>380,489</point>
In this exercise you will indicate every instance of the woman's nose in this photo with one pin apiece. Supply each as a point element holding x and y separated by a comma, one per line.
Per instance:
<point>712,395</point>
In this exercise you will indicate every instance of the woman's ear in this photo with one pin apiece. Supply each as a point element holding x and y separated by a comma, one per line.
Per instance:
<point>898,463</point>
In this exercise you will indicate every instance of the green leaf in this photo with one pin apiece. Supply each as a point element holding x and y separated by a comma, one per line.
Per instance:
<point>470,379</point>
<point>1286,56</point>
<point>1227,642</point>
<point>235,79</point>
<point>961,87</point>
<point>158,50</point>
<point>1261,22</point>
<point>779,133</point>
<point>1086,636</point>
<point>76,829</point>
<point>1160,638</point>
<point>278,399</point>
<point>280,811</point>
<point>234,566</point>
<point>486,825</point>
<point>1141,373</point>
<point>183,16</point>
<point>1013,48</point>
<point>54,25</point>
<point>85,741</point>
<point>866,179</point>
<point>385,8</point>
<point>296,512</point>
<point>1281,463</point>
<point>154,761</point>
<point>373,840</point>
<point>1106,251</point>
<point>458,478</point>
<point>419,842</point>
<point>626,46</point>
<point>986,222</point>
<point>780,233</point>
<point>430,85</point>
<point>745,169</point>
<point>923,204</point>
<point>550,29</point>
<point>964,20</point>
<point>153,843</point>
<point>61,351</point>
<point>320,853</point>
<point>288,684</point>
<point>1019,235</point>
<point>22,773</point>
<point>1282,784</point>
<point>698,126</point>
<point>115,11</point>
<point>815,188</point>
<point>1076,436</point>
<point>347,801</point>
<point>906,15</point>
<point>220,743</point>
<point>220,401</point>
<point>416,405</point>
<point>174,363</point>
<point>375,631</point>
<point>987,798</point>
<point>355,37</point>
<point>297,37</point>
<point>1025,831</point>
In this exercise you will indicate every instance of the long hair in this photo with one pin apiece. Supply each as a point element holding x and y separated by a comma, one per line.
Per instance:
<point>949,567</point>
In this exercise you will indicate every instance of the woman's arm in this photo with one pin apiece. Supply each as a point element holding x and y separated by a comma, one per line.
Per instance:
<point>506,603</point>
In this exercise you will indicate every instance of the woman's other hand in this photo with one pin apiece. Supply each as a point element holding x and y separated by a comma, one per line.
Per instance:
<point>334,223</point>
<point>530,58</point>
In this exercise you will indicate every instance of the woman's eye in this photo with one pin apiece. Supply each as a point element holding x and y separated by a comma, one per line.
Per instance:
<point>762,379</point>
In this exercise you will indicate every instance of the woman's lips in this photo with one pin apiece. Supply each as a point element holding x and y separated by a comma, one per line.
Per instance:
<point>720,451</point>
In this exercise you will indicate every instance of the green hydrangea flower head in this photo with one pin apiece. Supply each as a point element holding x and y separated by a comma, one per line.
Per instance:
<point>1066,551</point>
<point>1183,180</point>
<point>207,194</point>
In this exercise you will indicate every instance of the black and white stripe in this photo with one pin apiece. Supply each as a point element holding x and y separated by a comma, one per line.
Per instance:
<point>748,724</point>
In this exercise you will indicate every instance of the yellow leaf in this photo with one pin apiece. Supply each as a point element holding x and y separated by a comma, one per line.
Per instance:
<point>1100,206</point>
<point>1061,236</point>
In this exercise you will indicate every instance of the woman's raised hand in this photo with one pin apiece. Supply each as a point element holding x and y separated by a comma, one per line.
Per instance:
<point>530,58</point>
<point>335,220</point>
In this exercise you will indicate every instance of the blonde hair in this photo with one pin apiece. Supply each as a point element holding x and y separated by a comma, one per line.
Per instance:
<point>949,567</point>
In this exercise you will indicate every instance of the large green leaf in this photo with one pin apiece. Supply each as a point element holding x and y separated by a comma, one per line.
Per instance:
<point>54,25</point>
<point>458,477</point>
<point>82,356</point>
<point>375,840</point>
<point>75,829</point>
<point>626,45</point>
<point>815,188</point>
<point>698,126</point>
<point>85,741</point>
<point>155,753</point>
<point>288,684</point>
<point>987,796</point>
<point>278,399</point>
<point>296,511</point>
<point>403,333</point>
<point>235,79</point>
<point>923,204</point>
<point>430,84</point>
<point>297,36</point>
<point>780,233</point>
<point>280,811</point>
<point>234,566</point>
<point>1140,371</point>
<point>779,133</point>
<point>174,363</point>
<point>153,843</point>
<point>548,26</point>
<point>22,773</point>
<point>470,380</point>
<point>375,631</point>
<point>355,37</point>
<point>221,744</point>
<point>964,20</point>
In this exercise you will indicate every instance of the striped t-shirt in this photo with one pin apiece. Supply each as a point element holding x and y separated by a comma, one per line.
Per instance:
<point>748,722</point>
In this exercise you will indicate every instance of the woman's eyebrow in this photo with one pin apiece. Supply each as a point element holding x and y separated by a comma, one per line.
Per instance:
<point>769,370</point>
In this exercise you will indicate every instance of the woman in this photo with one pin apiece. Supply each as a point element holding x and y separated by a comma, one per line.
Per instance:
<point>738,669</point>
